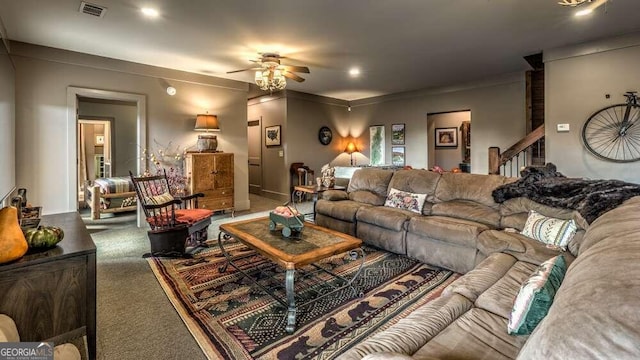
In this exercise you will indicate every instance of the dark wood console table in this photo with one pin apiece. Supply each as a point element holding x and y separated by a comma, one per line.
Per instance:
<point>51,294</point>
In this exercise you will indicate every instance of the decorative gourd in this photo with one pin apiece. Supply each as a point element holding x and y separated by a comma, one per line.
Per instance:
<point>44,236</point>
<point>12,242</point>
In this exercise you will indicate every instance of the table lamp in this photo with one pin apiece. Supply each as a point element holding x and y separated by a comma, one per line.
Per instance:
<point>207,142</point>
<point>350,149</point>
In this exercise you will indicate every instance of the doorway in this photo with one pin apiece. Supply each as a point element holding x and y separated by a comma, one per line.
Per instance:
<point>254,138</point>
<point>94,152</point>
<point>449,140</point>
<point>137,163</point>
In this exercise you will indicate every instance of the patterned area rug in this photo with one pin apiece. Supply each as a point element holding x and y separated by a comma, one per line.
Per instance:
<point>232,318</point>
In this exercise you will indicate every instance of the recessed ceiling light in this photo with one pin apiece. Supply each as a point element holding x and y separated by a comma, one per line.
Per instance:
<point>171,90</point>
<point>354,72</point>
<point>149,12</point>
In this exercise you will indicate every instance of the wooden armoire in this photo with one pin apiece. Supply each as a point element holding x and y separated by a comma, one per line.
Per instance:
<point>212,175</point>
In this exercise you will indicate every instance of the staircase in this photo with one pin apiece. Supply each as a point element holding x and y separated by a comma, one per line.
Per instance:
<point>526,152</point>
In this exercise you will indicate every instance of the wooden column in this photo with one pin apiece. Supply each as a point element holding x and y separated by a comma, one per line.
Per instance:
<point>494,160</point>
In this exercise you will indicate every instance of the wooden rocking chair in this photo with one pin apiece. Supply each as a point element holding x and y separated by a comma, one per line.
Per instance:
<point>176,222</point>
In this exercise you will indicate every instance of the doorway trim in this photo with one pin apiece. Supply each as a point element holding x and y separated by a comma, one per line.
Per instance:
<point>72,142</point>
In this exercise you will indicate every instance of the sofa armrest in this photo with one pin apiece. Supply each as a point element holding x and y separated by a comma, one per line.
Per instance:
<point>519,246</point>
<point>335,195</point>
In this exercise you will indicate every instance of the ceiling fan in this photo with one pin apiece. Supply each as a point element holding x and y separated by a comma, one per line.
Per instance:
<point>270,73</point>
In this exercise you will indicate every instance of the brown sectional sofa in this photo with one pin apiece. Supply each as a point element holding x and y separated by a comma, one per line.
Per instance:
<point>595,314</point>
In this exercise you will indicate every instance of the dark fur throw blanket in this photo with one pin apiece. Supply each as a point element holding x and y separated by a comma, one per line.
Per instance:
<point>544,185</point>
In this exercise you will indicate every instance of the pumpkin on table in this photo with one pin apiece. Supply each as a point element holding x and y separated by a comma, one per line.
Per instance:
<point>43,236</point>
<point>13,245</point>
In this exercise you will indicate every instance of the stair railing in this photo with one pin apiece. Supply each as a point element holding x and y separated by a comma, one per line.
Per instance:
<point>512,160</point>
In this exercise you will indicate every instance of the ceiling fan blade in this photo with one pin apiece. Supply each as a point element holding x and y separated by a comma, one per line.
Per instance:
<point>292,76</point>
<point>247,69</point>
<point>302,69</point>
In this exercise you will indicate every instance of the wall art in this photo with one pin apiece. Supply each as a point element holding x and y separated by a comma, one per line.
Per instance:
<point>397,134</point>
<point>376,145</point>
<point>272,135</point>
<point>447,137</point>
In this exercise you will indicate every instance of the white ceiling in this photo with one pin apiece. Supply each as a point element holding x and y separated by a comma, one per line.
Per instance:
<point>399,45</point>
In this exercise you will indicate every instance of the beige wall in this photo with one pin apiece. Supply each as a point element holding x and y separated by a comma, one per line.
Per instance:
<point>577,80</point>
<point>446,158</point>
<point>123,153</point>
<point>43,134</point>
<point>301,117</point>
<point>497,107</point>
<point>306,114</point>
<point>7,125</point>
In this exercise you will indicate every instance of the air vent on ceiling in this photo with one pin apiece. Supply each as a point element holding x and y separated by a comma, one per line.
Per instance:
<point>92,9</point>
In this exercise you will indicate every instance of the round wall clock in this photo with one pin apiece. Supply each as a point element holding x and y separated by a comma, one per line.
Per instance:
<point>325,135</point>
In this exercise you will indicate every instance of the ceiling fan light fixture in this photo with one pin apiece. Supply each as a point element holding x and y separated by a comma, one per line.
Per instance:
<point>270,79</point>
<point>573,3</point>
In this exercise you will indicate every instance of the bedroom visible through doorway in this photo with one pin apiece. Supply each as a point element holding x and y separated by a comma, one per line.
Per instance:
<point>94,153</point>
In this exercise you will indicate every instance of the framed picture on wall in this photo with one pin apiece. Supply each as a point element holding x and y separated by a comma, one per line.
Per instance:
<point>376,145</point>
<point>397,134</point>
<point>446,137</point>
<point>272,135</point>
<point>398,156</point>
<point>325,135</point>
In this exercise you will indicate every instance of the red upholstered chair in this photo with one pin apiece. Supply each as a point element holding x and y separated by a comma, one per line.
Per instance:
<point>176,222</point>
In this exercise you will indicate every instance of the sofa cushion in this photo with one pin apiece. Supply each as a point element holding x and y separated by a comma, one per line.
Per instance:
<point>470,210</point>
<point>536,296</point>
<point>549,230</point>
<point>405,200</point>
<point>474,187</point>
<point>343,210</point>
<point>456,231</point>
<point>498,298</point>
<point>411,333</point>
<point>472,284</point>
<point>385,217</point>
<point>419,182</point>
<point>519,246</point>
<point>478,334</point>
<point>335,195</point>
<point>369,185</point>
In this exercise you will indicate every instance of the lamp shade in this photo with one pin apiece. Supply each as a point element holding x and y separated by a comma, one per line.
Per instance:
<point>351,148</point>
<point>206,122</point>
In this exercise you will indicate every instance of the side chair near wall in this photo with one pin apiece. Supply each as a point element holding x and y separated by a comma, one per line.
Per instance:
<point>176,222</point>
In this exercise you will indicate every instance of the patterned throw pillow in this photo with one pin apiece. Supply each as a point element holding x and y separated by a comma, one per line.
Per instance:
<point>405,200</point>
<point>536,296</point>
<point>161,199</point>
<point>549,230</point>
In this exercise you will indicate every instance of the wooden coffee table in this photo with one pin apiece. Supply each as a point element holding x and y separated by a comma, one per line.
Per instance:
<point>313,244</point>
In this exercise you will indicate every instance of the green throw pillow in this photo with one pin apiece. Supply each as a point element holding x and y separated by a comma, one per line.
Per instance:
<point>536,296</point>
